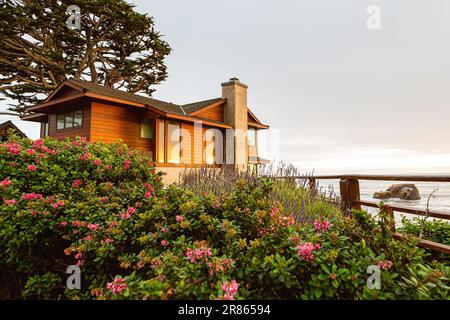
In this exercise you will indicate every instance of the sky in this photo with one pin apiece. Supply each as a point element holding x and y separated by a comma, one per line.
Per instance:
<point>337,95</point>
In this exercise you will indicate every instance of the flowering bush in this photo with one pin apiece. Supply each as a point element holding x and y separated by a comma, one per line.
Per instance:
<point>133,239</point>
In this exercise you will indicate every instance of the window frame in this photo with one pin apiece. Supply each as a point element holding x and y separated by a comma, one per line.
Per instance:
<point>69,115</point>
<point>148,122</point>
<point>163,155</point>
<point>255,137</point>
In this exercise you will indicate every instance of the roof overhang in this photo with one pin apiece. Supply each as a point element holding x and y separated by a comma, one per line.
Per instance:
<point>197,120</point>
<point>35,117</point>
<point>257,125</point>
<point>44,107</point>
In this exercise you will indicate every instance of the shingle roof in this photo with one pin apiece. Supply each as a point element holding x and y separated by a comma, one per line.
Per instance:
<point>192,107</point>
<point>114,93</point>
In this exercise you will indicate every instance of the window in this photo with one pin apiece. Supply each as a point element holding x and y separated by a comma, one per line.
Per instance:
<point>146,129</point>
<point>169,142</point>
<point>214,146</point>
<point>210,152</point>
<point>78,118</point>
<point>60,122</point>
<point>173,142</point>
<point>251,137</point>
<point>71,119</point>
<point>161,141</point>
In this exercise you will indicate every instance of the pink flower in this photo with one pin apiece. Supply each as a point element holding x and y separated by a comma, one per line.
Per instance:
<point>107,240</point>
<point>58,204</point>
<point>230,289</point>
<point>63,223</point>
<point>93,226</point>
<point>126,164</point>
<point>117,286</point>
<point>78,223</point>
<point>164,230</point>
<point>32,196</point>
<point>76,183</point>
<point>37,143</point>
<point>30,152</point>
<point>10,202</point>
<point>131,210</point>
<point>179,218</point>
<point>13,148</point>
<point>161,278</point>
<point>385,264</point>
<point>6,182</point>
<point>31,167</point>
<point>164,243</point>
<point>305,250</point>
<point>148,194</point>
<point>125,215</point>
<point>85,156</point>
<point>322,226</point>
<point>201,253</point>
<point>97,162</point>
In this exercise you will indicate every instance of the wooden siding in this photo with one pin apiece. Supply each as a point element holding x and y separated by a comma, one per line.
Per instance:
<point>82,131</point>
<point>192,144</point>
<point>110,123</point>
<point>213,113</point>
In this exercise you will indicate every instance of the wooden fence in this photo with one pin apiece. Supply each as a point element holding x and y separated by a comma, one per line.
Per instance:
<point>351,199</point>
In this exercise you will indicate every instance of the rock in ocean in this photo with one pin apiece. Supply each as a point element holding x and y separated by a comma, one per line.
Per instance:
<point>402,191</point>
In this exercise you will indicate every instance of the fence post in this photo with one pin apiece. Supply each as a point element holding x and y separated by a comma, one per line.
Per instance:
<point>350,193</point>
<point>312,185</point>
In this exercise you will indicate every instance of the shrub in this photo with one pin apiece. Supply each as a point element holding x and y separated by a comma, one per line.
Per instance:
<point>434,230</point>
<point>135,240</point>
<point>58,196</point>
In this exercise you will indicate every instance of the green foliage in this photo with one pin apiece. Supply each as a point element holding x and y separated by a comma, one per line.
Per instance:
<point>135,240</point>
<point>434,230</point>
<point>116,46</point>
<point>42,286</point>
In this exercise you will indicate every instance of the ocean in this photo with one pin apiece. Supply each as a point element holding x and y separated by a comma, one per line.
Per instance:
<point>439,202</point>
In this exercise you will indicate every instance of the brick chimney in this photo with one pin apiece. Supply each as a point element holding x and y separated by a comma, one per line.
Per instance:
<point>235,114</point>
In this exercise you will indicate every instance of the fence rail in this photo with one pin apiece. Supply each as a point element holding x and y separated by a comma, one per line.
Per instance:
<point>350,197</point>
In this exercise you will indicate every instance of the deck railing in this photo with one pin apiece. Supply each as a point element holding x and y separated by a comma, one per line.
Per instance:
<point>351,199</point>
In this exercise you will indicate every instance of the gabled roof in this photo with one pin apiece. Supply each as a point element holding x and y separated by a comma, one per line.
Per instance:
<point>196,106</point>
<point>114,93</point>
<point>73,89</point>
<point>10,124</point>
<point>77,88</point>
